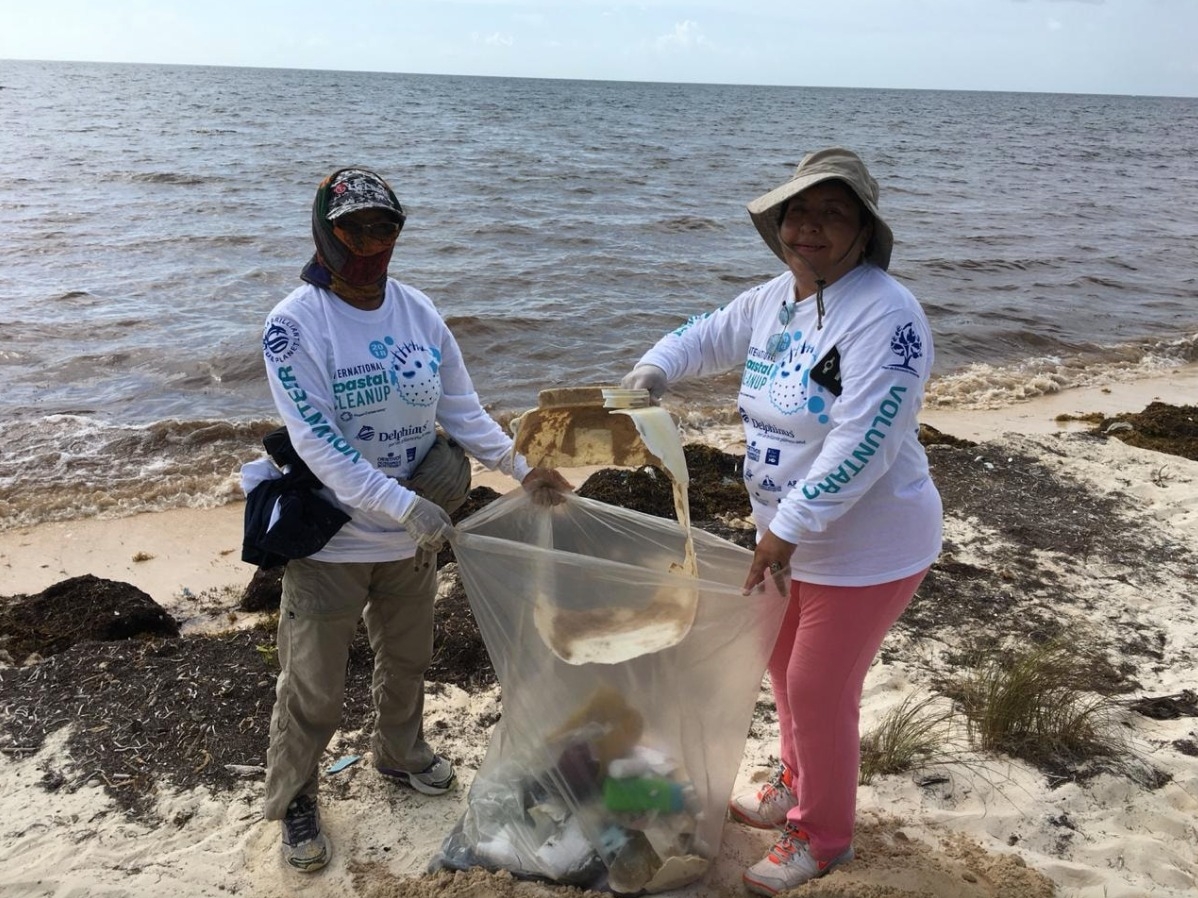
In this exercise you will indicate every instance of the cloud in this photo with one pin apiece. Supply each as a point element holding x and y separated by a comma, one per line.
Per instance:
<point>684,36</point>
<point>494,39</point>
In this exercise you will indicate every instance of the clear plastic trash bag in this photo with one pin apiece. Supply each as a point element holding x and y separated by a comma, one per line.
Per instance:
<point>612,770</point>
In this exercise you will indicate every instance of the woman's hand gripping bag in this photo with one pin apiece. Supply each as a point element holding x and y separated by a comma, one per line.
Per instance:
<point>629,669</point>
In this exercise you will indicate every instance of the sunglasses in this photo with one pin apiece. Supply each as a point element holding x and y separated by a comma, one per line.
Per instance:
<point>780,342</point>
<point>376,230</point>
<point>777,344</point>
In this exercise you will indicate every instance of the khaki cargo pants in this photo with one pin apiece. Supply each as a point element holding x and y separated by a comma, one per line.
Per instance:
<point>318,616</point>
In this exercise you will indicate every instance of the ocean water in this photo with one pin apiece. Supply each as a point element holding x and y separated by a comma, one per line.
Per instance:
<point>154,215</point>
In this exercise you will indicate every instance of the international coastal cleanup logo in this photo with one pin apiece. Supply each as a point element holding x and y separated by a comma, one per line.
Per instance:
<point>280,339</point>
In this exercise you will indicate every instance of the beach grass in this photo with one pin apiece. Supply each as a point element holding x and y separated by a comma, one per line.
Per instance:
<point>1032,705</point>
<point>918,731</point>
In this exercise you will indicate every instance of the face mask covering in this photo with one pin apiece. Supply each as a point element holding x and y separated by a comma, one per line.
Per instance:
<point>356,278</point>
<point>366,271</point>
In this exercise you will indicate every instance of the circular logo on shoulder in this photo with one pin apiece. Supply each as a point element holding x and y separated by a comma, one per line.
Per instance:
<point>280,339</point>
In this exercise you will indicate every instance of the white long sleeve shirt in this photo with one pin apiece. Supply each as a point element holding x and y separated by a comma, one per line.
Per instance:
<point>833,461</point>
<point>361,393</point>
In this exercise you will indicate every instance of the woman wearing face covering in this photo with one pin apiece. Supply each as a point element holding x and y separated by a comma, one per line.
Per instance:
<point>835,354</point>
<point>363,369</point>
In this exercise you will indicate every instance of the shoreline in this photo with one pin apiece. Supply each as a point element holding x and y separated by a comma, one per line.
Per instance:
<point>1038,415</point>
<point>181,553</point>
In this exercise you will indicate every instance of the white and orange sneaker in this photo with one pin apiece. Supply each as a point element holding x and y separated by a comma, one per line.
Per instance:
<point>767,807</point>
<point>789,864</point>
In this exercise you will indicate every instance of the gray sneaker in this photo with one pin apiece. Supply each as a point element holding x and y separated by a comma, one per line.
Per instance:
<point>305,847</point>
<point>435,779</point>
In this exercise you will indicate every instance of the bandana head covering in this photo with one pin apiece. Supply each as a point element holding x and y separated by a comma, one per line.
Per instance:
<point>334,266</point>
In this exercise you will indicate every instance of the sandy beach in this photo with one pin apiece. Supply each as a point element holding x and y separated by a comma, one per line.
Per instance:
<point>976,825</point>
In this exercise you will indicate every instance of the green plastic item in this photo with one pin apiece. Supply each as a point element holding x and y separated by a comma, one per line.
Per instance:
<point>639,794</point>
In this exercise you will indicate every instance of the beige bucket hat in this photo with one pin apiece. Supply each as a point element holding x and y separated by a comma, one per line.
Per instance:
<point>825,165</point>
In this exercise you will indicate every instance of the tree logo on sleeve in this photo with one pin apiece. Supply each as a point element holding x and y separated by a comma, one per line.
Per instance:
<point>907,345</point>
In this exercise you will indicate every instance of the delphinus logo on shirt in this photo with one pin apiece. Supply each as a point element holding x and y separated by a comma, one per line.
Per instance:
<point>367,433</point>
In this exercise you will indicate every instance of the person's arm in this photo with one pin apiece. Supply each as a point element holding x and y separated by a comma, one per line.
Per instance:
<point>463,417</point>
<point>706,344</point>
<point>461,414</point>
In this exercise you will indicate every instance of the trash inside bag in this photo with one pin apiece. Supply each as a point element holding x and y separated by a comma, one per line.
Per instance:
<point>628,688</point>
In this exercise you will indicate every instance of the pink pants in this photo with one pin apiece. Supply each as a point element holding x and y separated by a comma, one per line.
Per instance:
<point>828,640</point>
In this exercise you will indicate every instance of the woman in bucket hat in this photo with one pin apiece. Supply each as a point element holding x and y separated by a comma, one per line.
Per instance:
<point>835,355</point>
<point>363,371</point>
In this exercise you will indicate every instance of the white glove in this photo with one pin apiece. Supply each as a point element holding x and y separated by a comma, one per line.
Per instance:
<point>545,486</point>
<point>646,377</point>
<point>428,524</point>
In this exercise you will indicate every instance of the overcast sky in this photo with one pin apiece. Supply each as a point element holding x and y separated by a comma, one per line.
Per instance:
<point>1067,46</point>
